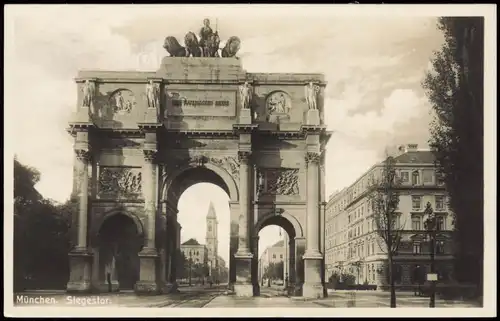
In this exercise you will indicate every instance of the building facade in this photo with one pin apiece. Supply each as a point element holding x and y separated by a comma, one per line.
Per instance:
<point>194,251</point>
<point>272,254</point>
<point>353,245</point>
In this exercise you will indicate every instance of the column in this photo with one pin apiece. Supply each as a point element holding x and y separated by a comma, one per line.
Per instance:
<point>255,265</point>
<point>80,257</point>
<point>286,260</point>
<point>148,282</point>
<point>243,257</point>
<point>243,238</point>
<point>313,286</point>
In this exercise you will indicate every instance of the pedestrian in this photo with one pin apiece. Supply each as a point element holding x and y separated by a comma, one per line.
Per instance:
<point>108,278</point>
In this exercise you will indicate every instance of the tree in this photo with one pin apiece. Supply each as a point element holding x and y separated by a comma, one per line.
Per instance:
<point>384,198</point>
<point>41,238</point>
<point>182,265</point>
<point>455,90</point>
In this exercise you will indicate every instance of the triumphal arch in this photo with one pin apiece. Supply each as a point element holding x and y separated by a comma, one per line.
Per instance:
<point>142,138</point>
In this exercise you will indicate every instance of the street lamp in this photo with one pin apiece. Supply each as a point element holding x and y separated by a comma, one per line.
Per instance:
<point>431,227</point>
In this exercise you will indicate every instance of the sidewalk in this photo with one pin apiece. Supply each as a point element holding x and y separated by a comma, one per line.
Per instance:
<point>257,302</point>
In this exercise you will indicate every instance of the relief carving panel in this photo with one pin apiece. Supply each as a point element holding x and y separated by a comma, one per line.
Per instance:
<point>278,181</point>
<point>122,101</point>
<point>121,182</point>
<point>278,106</point>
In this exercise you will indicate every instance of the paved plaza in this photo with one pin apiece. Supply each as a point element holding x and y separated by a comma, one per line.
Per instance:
<point>203,297</point>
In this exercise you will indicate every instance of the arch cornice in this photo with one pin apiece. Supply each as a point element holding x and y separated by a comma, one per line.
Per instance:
<point>283,213</point>
<point>170,177</point>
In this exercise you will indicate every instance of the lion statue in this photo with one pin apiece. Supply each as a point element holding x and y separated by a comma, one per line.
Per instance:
<point>173,47</point>
<point>231,48</point>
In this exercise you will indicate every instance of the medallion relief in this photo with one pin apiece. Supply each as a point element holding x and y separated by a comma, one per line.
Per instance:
<point>120,181</point>
<point>278,106</point>
<point>122,101</point>
<point>278,181</point>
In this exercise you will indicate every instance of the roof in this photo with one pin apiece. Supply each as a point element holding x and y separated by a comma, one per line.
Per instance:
<point>406,158</point>
<point>279,244</point>
<point>211,211</point>
<point>418,157</point>
<point>191,242</point>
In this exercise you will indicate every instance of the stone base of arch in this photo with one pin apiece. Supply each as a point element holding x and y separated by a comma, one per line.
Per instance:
<point>148,282</point>
<point>243,287</point>
<point>80,260</point>
<point>313,287</point>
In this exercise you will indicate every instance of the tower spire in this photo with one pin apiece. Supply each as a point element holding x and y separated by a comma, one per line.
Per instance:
<point>211,211</point>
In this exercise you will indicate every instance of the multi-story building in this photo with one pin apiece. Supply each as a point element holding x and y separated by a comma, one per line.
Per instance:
<point>272,254</point>
<point>194,251</point>
<point>353,244</point>
<point>207,253</point>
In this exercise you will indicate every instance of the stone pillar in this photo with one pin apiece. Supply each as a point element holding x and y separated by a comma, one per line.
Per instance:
<point>300,247</point>
<point>313,285</point>
<point>255,265</point>
<point>243,257</point>
<point>80,257</point>
<point>148,283</point>
<point>172,232</point>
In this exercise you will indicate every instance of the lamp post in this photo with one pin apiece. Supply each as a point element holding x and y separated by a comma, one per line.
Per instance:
<point>431,227</point>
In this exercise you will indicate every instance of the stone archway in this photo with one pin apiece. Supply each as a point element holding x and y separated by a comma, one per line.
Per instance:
<point>174,186</point>
<point>203,126</point>
<point>293,231</point>
<point>119,240</point>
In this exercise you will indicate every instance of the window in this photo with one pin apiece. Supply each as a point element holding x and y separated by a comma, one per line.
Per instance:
<point>416,202</point>
<point>281,256</point>
<point>373,247</point>
<point>415,178</point>
<point>210,228</point>
<point>427,176</point>
<point>439,202</point>
<point>440,247</point>
<point>440,223</point>
<point>274,256</point>
<point>417,248</point>
<point>416,223</point>
<point>405,177</point>
<point>440,179</point>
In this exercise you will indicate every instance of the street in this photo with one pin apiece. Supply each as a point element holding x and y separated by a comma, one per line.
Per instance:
<point>215,297</point>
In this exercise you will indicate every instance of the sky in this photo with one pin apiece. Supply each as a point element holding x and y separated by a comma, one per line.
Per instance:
<point>373,64</point>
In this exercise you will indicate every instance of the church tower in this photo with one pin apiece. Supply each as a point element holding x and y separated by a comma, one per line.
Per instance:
<point>211,239</point>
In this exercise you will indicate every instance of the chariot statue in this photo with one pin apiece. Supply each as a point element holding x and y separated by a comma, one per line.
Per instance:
<point>207,45</point>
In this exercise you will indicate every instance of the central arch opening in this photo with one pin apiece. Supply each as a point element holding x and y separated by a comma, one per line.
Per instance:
<point>201,197</point>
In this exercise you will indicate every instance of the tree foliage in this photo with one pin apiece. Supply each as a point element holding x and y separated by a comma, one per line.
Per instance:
<point>274,271</point>
<point>384,200</point>
<point>455,90</point>
<point>41,234</point>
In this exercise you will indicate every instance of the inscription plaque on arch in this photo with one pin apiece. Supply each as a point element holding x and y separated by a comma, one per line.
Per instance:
<point>187,102</point>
